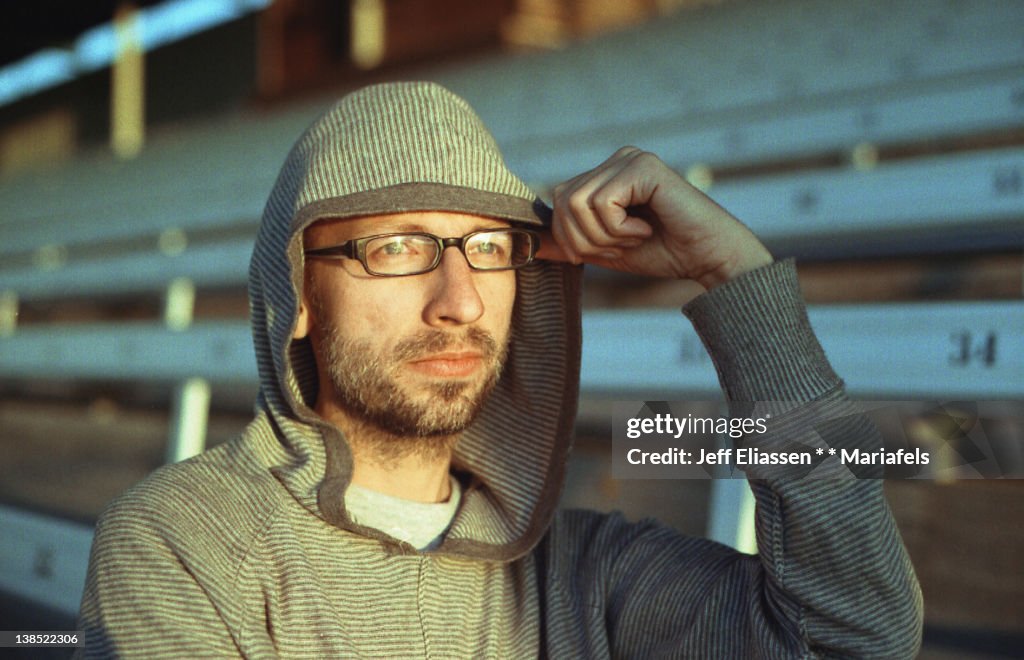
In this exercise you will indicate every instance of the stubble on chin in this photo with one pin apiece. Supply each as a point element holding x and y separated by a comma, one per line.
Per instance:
<point>389,420</point>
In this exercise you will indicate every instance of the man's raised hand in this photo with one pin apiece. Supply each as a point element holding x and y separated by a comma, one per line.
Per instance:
<point>634,214</point>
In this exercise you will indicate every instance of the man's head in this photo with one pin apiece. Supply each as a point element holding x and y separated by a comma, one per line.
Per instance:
<point>411,354</point>
<point>410,347</point>
<point>413,158</point>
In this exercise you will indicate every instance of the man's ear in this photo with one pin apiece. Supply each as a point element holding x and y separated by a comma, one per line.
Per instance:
<point>304,321</point>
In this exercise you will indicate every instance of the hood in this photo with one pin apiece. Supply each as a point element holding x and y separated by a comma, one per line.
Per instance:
<point>417,147</point>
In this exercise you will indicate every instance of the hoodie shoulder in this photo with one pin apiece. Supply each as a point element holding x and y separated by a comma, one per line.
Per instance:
<point>214,503</point>
<point>174,558</point>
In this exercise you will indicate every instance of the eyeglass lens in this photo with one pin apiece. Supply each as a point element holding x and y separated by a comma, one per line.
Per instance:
<point>413,253</point>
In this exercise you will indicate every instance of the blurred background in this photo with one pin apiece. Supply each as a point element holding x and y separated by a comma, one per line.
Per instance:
<point>881,143</point>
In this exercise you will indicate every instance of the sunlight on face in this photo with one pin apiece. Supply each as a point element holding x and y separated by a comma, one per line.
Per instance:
<point>414,356</point>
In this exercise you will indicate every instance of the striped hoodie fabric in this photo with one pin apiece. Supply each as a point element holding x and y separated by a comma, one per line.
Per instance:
<point>247,550</point>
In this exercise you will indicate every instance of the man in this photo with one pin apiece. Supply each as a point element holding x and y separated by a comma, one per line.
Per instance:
<point>415,311</point>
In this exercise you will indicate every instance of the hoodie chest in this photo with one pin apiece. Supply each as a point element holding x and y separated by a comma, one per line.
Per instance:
<point>339,594</point>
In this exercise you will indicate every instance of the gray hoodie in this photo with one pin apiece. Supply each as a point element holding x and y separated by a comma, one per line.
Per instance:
<point>248,549</point>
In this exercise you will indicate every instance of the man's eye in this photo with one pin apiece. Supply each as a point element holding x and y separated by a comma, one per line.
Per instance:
<point>398,246</point>
<point>489,246</point>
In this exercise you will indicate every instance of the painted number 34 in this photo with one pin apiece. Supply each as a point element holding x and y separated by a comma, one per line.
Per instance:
<point>971,348</point>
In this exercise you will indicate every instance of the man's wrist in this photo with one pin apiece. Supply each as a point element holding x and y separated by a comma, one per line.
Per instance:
<point>758,336</point>
<point>752,259</point>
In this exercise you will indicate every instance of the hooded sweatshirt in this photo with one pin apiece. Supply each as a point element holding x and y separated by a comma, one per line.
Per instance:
<point>248,550</point>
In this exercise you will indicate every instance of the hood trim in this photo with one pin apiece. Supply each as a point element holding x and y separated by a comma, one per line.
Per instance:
<point>425,196</point>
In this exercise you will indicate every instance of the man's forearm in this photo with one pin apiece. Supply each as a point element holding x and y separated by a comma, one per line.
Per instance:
<point>827,541</point>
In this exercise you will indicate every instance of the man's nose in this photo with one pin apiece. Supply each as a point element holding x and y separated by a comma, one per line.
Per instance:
<point>454,299</point>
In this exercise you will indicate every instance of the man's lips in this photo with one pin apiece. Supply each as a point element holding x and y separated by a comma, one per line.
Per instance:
<point>449,364</point>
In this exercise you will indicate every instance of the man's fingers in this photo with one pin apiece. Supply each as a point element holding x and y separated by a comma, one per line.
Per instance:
<point>595,220</point>
<point>587,222</point>
<point>596,212</point>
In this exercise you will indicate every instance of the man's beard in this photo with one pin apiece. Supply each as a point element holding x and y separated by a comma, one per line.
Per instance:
<point>366,384</point>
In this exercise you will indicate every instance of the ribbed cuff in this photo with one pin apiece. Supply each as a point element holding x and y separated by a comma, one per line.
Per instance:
<point>756,330</point>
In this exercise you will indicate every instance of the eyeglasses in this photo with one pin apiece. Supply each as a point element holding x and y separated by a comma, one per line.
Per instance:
<point>393,255</point>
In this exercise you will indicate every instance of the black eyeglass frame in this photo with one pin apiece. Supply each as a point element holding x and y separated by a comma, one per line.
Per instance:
<point>356,249</point>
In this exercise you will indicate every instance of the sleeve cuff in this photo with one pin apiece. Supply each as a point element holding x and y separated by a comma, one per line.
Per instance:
<point>756,330</point>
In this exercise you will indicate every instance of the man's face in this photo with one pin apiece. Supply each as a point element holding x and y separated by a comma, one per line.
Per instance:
<point>415,355</point>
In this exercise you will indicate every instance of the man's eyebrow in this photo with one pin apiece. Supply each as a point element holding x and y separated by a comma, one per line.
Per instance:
<point>417,228</point>
<point>385,228</point>
<point>408,226</point>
